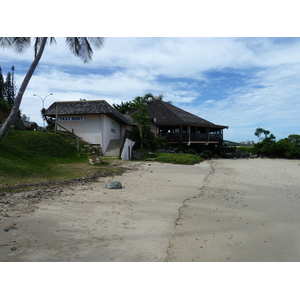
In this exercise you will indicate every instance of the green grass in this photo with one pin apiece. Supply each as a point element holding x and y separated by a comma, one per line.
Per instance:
<point>30,157</point>
<point>246,149</point>
<point>178,158</point>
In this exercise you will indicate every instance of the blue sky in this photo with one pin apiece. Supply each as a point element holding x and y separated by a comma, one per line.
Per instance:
<point>243,83</point>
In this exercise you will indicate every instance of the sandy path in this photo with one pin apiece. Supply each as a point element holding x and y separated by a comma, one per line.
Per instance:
<point>92,223</point>
<point>248,210</point>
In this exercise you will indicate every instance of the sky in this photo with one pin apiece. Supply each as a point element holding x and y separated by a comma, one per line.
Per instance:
<point>232,63</point>
<point>243,83</point>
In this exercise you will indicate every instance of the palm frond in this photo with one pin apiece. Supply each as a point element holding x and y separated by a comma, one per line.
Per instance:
<point>18,43</point>
<point>81,46</point>
<point>38,41</point>
<point>6,42</point>
<point>97,42</point>
<point>21,43</point>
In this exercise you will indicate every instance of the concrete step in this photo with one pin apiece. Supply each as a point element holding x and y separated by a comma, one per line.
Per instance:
<point>113,148</point>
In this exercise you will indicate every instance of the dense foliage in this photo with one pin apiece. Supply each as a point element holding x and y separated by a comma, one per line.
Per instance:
<point>7,88</point>
<point>285,148</point>
<point>179,158</point>
<point>137,109</point>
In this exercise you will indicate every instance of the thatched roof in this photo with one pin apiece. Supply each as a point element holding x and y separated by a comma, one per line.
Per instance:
<point>86,107</point>
<point>163,113</point>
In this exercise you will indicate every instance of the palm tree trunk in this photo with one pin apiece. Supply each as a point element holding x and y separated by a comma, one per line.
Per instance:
<point>9,121</point>
<point>141,135</point>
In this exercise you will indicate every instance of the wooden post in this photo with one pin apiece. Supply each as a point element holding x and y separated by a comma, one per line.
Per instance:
<point>78,148</point>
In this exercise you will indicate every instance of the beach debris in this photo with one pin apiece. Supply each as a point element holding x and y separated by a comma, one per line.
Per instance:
<point>12,226</point>
<point>115,185</point>
<point>95,160</point>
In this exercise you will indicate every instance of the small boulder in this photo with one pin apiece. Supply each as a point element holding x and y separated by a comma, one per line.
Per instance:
<point>114,185</point>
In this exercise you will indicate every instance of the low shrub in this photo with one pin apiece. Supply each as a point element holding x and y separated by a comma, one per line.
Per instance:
<point>179,158</point>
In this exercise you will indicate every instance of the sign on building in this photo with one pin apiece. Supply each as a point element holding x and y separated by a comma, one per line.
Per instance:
<point>73,118</point>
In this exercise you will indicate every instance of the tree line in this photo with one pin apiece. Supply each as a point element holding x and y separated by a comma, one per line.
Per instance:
<point>7,90</point>
<point>268,146</point>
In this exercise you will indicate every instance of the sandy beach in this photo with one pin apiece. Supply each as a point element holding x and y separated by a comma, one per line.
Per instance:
<point>216,211</point>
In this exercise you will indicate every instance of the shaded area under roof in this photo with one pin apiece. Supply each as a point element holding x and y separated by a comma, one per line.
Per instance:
<point>86,107</point>
<point>164,113</point>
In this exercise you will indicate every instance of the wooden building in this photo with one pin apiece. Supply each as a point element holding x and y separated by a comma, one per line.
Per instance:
<point>178,125</point>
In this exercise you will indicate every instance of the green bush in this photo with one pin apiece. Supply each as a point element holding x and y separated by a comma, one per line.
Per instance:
<point>246,149</point>
<point>191,151</point>
<point>178,158</point>
<point>4,107</point>
<point>288,147</point>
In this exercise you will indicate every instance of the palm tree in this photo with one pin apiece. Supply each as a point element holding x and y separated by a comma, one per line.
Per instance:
<point>79,46</point>
<point>150,97</point>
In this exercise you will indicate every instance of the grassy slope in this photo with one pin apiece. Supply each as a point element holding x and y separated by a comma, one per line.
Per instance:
<point>28,157</point>
<point>31,157</point>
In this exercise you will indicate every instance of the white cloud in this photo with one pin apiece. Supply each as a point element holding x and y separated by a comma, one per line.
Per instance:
<point>265,92</point>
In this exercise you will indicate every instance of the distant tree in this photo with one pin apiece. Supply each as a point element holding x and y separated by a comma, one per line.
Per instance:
<point>7,87</point>
<point>140,116</point>
<point>150,97</point>
<point>13,86</point>
<point>266,133</point>
<point>129,107</point>
<point>124,108</point>
<point>137,108</point>
<point>1,84</point>
<point>4,106</point>
<point>268,145</point>
<point>9,90</point>
<point>294,138</point>
<point>79,46</point>
<point>258,132</point>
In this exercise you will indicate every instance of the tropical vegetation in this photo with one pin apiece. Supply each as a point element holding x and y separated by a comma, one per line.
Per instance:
<point>137,109</point>
<point>268,146</point>
<point>179,158</point>
<point>81,47</point>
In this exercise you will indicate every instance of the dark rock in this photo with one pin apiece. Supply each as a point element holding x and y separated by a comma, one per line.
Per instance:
<point>137,154</point>
<point>114,185</point>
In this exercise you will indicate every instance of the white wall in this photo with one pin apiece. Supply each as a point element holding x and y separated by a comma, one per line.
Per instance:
<point>111,131</point>
<point>94,129</point>
<point>89,129</point>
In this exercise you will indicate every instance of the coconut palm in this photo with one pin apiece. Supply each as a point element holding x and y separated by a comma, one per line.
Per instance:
<point>79,46</point>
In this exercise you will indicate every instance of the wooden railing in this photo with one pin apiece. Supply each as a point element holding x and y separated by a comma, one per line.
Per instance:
<point>186,137</point>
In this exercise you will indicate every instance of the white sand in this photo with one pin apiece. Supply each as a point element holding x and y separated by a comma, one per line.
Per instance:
<point>247,211</point>
<point>92,223</point>
<point>219,210</point>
